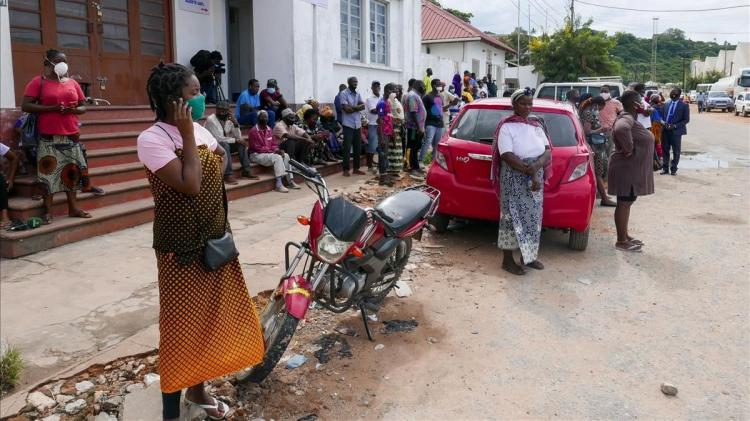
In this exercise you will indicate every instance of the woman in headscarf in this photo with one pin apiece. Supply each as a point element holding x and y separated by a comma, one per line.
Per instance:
<point>520,151</point>
<point>395,148</point>
<point>630,173</point>
<point>456,83</point>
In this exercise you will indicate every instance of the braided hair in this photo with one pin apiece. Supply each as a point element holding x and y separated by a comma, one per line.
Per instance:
<point>164,85</point>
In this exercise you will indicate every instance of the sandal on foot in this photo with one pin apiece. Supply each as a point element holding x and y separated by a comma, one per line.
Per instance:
<point>536,264</point>
<point>79,213</point>
<point>46,219</point>
<point>636,241</point>
<point>628,246</point>
<point>608,204</point>
<point>515,269</point>
<point>217,406</point>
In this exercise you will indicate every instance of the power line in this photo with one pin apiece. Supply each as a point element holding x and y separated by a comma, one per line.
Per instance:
<point>537,24</point>
<point>546,13</point>
<point>664,11</point>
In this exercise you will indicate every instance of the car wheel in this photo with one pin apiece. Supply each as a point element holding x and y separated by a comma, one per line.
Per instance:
<point>440,222</point>
<point>736,113</point>
<point>578,240</point>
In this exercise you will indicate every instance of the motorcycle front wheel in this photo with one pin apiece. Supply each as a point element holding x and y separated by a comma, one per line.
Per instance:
<point>278,330</point>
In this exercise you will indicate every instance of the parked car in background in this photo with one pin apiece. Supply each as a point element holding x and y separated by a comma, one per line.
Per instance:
<point>719,100</point>
<point>693,96</point>
<point>461,170</point>
<point>558,91</point>
<point>742,105</point>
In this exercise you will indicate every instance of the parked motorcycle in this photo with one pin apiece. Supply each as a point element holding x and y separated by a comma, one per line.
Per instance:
<point>352,258</point>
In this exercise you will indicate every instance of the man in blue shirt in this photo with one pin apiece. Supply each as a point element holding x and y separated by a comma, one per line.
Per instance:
<point>248,105</point>
<point>351,106</point>
<point>700,99</point>
<point>337,104</point>
<point>676,120</point>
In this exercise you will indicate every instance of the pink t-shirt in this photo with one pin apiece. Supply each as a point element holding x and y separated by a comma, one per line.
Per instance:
<point>608,114</point>
<point>53,92</point>
<point>156,149</point>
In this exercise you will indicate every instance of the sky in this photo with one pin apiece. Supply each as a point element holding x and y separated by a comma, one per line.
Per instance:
<point>500,16</point>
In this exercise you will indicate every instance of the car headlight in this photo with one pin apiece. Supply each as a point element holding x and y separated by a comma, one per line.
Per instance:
<point>330,248</point>
<point>579,171</point>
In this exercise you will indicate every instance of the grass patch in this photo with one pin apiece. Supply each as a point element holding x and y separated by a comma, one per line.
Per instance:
<point>11,365</point>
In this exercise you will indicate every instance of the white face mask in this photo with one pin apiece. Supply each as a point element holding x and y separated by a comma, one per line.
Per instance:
<point>392,96</point>
<point>605,95</point>
<point>61,68</point>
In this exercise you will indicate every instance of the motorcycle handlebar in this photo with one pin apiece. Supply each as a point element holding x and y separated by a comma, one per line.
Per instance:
<point>306,171</point>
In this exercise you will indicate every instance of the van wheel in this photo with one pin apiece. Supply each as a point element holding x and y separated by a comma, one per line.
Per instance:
<point>736,113</point>
<point>578,240</point>
<point>440,222</point>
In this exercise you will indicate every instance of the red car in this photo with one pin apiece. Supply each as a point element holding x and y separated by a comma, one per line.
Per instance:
<point>461,169</point>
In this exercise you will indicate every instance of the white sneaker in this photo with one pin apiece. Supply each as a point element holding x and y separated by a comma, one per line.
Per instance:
<point>281,189</point>
<point>293,185</point>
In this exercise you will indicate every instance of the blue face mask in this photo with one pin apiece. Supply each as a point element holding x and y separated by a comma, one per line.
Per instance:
<point>197,106</point>
<point>271,90</point>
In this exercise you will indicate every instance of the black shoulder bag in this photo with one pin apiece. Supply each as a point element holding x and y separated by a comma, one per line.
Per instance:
<point>29,129</point>
<point>217,252</point>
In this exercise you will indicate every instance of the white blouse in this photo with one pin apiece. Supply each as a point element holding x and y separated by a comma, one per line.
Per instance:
<point>523,140</point>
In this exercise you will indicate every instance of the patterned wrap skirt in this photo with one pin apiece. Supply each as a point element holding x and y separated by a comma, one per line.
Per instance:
<point>61,164</point>
<point>520,212</point>
<point>395,150</point>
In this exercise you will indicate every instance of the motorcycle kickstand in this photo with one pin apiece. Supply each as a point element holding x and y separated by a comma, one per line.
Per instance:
<point>363,312</point>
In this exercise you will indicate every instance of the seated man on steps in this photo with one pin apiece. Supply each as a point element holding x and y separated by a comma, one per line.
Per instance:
<point>292,138</point>
<point>248,105</point>
<point>264,151</point>
<point>226,130</point>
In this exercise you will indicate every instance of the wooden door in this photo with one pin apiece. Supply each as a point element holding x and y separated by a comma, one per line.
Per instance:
<point>111,44</point>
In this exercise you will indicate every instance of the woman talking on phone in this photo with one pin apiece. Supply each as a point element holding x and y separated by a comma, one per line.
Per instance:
<point>208,326</point>
<point>58,101</point>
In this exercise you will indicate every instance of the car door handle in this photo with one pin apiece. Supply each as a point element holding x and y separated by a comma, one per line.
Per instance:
<point>480,157</point>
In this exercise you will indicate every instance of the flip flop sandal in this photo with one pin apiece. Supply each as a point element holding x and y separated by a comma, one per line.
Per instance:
<point>80,213</point>
<point>608,204</point>
<point>629,247</point>
<point>535,265</point>
<point>636,242</point>
<point>516,270</point>
<point>218,406</point>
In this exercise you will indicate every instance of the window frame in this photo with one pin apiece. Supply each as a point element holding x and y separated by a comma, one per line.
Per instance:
<point>383,50</point>
<point>346,8</point>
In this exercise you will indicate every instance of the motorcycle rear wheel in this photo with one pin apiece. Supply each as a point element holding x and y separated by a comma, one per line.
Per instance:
<point>397,261</point>
<point>278,330</point>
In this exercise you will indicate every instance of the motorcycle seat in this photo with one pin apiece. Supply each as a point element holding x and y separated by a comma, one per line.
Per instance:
<point>405,209</point>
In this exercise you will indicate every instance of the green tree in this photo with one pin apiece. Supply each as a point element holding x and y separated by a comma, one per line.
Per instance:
<point>512,41</point>
<point>569,54</point>
<point>464,16</point>
<point>708,77</point>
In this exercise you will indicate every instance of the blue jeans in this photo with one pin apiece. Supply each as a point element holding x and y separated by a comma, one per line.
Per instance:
<point>432,136</point>
<point>372,138</point>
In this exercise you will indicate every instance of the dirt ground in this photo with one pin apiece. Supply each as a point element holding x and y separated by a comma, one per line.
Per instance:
<point>592,336</point>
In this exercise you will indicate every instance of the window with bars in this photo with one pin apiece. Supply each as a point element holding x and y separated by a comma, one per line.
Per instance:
<point>152,27</point>
<point>378,32</point>
<point>72,24</point>
<point>351,29</point>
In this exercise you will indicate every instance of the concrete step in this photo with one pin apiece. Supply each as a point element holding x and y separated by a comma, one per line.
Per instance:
<point>113,125</point>
<point>112,156</point>
<point>109,140</point>
<point>123,208</point>
<point>116,112</point>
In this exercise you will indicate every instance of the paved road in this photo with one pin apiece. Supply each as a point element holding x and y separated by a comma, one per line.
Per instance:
<point>543,346</point>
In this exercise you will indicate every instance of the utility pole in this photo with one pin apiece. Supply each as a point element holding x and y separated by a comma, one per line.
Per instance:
<point>546,28</point>
<point>528,45</point>
<point>518,47</point>
<point>653,51</point>
<point>683,73</point>
<point>572,15</point>
<point>725,58</point>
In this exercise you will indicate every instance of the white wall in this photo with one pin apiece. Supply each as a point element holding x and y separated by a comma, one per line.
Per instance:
<point>7,90</point>
<point>462,53</point>
<point>195,31</point>
<point>317,65</point>
<point>274,44</point>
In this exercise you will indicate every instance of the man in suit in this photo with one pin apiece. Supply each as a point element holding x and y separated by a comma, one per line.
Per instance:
<point>676,117</point>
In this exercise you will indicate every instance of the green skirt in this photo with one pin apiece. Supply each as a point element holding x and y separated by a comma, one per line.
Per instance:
<point>61,164</point>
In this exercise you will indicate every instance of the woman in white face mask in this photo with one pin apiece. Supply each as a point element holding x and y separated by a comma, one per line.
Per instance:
<point>61,165</point>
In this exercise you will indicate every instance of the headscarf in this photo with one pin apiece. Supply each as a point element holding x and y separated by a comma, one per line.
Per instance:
<point>456,83</point>
<point>301,111</point>
<point>513,118</point>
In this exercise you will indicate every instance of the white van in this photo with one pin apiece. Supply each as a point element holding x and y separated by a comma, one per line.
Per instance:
<point>559,91</point>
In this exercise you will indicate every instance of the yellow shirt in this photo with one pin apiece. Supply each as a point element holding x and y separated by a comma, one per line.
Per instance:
<point>427,83</point>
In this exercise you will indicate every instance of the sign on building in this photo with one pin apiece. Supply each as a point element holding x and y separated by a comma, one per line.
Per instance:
<point>195,6</point>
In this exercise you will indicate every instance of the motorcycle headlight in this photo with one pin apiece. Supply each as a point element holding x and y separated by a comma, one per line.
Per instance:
<point>330,248</point>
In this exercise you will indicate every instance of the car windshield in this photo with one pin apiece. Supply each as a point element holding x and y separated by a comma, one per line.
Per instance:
<point>479,125</point>
<point>718,95</point>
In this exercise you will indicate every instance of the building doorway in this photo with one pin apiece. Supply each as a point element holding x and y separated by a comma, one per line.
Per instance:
<point>241,51</point>
<point>111,45</point>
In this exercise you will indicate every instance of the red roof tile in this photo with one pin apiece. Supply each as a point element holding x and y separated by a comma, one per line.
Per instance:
<point>438,24</point>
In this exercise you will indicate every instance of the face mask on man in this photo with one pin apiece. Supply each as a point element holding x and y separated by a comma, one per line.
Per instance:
<point>392,96</point>
<point>605,95</point>
<point>198,106</point>
<point>61,68</point>
<point>271,90</point>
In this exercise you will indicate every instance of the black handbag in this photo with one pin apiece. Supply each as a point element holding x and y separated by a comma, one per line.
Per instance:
<point>217,252</point>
